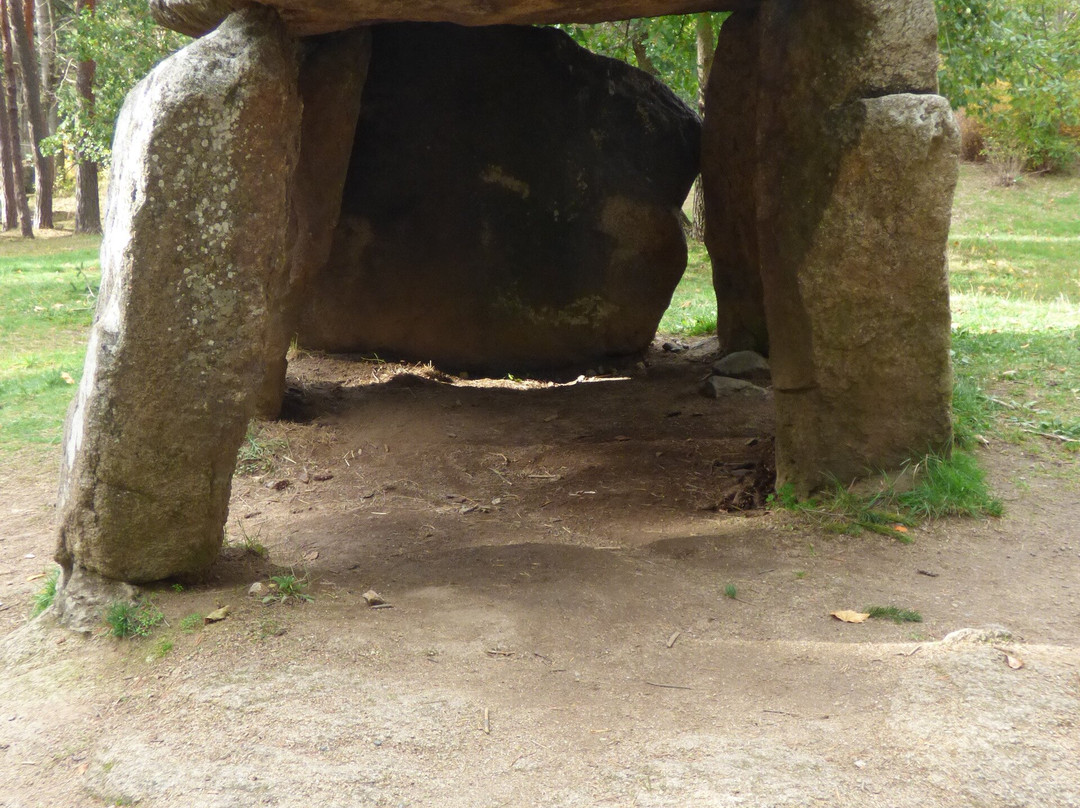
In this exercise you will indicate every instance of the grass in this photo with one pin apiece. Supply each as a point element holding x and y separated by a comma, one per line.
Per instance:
<point>259,452</point>
<point>192,623</point>
<point>138,619</point>
<point>731,591</point>
<point>893,613</point>
<point>692,311</point>
<point>288,588</point>
<point>48,292</point>
<point>45,596</point>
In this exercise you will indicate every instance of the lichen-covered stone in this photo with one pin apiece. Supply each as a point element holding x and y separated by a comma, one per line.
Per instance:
<point>193,261</point>
<point>512,203</point>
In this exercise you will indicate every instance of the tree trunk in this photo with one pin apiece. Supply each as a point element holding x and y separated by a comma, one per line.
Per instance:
<point>22,19</point>
<point>45,20</point>
<point>87,208</point>
<point>706,49</point>
<point>10,102</point>
<point>7,174</point>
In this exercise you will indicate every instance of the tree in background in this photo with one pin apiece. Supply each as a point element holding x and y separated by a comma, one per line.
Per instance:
<point>1013,66</point>
<point>21,19</point>
<point>13,153</point>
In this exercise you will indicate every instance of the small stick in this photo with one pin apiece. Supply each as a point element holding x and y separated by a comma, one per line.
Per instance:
<point>781,712</point>
<point>669,687</point>
<point>673,638</point>
<point>487,722</point>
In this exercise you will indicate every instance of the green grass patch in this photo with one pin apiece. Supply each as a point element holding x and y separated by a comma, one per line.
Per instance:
<point>692,312</point>
<point>48,288</point>
<point>127,619</point>
<point>45,596</point>
<point>893,613</point>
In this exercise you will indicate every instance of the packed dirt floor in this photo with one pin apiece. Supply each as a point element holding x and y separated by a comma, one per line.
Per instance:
<point>558,628</point>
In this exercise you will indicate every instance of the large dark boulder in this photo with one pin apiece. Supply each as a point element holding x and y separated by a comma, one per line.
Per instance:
<point>512,203</point>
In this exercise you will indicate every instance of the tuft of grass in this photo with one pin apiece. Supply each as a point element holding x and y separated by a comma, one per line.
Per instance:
<point>800,574</point>
<point>248,543</point>
<point>259,453</point>
<point>128,619</point>
<point>162,648</point>
<point>45,596</point>
<point>192,623</point>
<point>953,486</point>
<point>893,613</point>
<point>731,591</point>
<point>288,588</point>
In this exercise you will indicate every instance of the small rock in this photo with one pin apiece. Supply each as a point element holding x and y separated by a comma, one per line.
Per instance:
<point>987,634</point>
<point>373,598</point>
<point>217,615</point>
<point>257,589</point>
<point>741,363</point>
<point>716,386</point>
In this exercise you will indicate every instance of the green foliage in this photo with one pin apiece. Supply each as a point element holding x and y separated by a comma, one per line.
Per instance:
<point>666,47</point>
<point>192,623</point>
<point>894,613</point>
<point>731,591</point>
<point>162,648</point>
<point>1014,66</point>
<point>126,43</point>
<point>127,619</point>
<point>288,587</point>
<point>45,596</point>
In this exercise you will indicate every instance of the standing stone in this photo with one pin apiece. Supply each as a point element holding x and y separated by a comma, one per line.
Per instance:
<point>854,166</point>
<point>193,262</point>
<point>333,70</point>
<point>512,203</point>
<point>729,161</point>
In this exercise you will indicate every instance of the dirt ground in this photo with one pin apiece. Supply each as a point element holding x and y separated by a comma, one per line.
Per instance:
<point>558,632</point>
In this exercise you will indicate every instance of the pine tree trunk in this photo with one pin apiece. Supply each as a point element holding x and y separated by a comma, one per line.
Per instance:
<point>22,19</point>
<point>87,207</point>
<point>10,102</point>
<point>7,174</point>
<point>706,49</point>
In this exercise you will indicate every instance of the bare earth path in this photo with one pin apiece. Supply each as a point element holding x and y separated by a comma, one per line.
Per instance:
<point>559,633</point>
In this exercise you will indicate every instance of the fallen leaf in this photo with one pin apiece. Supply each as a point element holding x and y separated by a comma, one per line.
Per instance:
<point>67,377</point>
<point>1013,662</point>
<point>900,528</point>
<point>36,577</point>
<point>82,768</point>
<point>217,615</point>
<point>847,616</point>
<point>373,598</point>
<point>322,478</point>
<point>311,555</point>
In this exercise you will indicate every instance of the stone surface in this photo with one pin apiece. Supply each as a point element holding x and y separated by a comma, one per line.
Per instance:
<point>829,169</point>
<point>332,74</point>
<point>193,260</point>
<point>717,386</point>
<point>305,17</point>
<point>729,159</point>
<point>741,363</point>
<point>875,290</point>
<point>512,203</point>
<point>82,598</point>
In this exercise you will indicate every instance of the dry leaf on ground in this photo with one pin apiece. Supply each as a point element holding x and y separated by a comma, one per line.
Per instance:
<point>848,616</point>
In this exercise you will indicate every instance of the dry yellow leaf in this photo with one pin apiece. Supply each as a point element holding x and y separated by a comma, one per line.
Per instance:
<point>67,378</point>
<point>1013,662</point>
<point>848,616</point>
